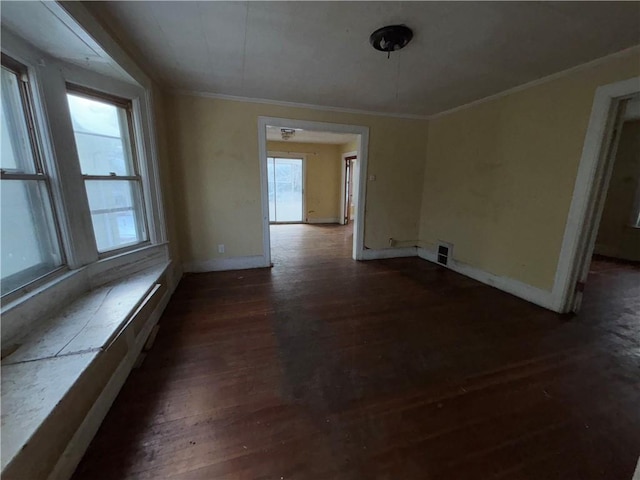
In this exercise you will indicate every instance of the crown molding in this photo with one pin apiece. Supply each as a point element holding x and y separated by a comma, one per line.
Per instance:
<point>554,76</point>
<point>310,106</point>
<point>540,81</point>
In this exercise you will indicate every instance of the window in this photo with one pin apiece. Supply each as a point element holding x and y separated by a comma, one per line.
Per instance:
<point>102,126</point>
<point>30,241</point>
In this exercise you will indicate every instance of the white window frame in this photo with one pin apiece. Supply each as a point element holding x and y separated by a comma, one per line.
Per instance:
<point>85,269</point>
<point>127,104</point>
<point>40,173</point>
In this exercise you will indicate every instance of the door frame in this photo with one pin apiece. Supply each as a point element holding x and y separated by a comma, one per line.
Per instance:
<point>363,147</point>
<point>590,190</point>
<point>343,181</point>
<point>293,156</point>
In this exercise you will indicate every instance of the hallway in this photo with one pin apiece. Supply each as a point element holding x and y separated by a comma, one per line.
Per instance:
<point>327,368</point>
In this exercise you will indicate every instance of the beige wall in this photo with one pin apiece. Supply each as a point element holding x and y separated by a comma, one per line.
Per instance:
<point>322,177</point>
<point>167,185</point>
<point>499,176</point>
<point>216,173</point>
<point>349,147</point>
<point>616,238</point>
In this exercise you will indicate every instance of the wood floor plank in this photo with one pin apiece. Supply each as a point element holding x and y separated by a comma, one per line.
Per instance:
<point>326,368</point>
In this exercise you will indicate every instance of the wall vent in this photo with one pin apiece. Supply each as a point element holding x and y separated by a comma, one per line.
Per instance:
<point>444,253</point>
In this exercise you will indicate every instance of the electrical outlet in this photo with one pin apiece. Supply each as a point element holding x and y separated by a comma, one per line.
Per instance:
<point>221,248</point>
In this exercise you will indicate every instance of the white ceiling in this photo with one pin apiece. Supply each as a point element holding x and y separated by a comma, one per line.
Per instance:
<point>319,53</point>
<point>49,28</point>
<point>309,136</point>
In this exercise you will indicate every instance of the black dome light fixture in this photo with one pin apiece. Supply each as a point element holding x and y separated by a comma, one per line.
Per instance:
<point>391,38</point>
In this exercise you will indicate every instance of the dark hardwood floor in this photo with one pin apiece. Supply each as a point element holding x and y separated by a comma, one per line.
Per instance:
<point>326,368</point>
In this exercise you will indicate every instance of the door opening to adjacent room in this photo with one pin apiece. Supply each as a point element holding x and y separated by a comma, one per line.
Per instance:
<point>348,207</point>
<point>608,242</point>
<point>311,195</point>
<point>615,261</point>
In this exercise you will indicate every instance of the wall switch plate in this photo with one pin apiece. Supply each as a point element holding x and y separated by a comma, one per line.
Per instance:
<point>221,248</point>
<point>372,178</point>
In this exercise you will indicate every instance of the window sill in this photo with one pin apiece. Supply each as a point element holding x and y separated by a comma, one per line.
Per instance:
<point>25,313</point>
<point>41,373</point>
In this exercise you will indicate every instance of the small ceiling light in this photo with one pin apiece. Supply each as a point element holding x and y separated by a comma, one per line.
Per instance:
<point>287,133</point>
<point>391,38</point>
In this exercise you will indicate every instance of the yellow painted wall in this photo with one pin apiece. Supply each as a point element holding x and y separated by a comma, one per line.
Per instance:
<point>322,177</point>
<point>616,238</point>
<point>349,147</point>
<point>216,173</point>
<point>164,161</point>
<point>499,176</point>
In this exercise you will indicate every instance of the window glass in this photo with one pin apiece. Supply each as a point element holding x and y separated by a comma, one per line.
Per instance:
<point>17,154</point>
<point>116,212</point>
<point>101,131</point>
<point>29,245</point>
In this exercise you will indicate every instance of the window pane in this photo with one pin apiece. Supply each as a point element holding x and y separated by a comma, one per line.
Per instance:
<point>288,189</point>
<point>102,136</point>
<point>29,246</point>
<point>116,212</point>
<point>16,144</point>
<point>272,194</point>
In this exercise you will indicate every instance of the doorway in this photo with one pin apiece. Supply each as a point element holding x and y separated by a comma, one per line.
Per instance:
<point>614,267</point>
<point>611,109</point>
<point>349,175</point>
<point>296,190</point>
<point>286,189</point>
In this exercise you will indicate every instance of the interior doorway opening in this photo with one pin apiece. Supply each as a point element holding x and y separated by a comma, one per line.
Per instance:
<point>615,260</point>
<point>349,177</point>
<point>312,187</point>
<point>610,233</point>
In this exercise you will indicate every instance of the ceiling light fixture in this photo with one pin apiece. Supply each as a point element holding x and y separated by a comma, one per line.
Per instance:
<point>391,38</point>
<point>287,133</point>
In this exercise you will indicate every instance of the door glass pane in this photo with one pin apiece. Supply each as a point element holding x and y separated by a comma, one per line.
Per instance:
<point>102,136</point>
<point>272,194</point>
<point>29,245</point>
<point>17,155</point>
<point>116,212</point>
<point>288,189</point>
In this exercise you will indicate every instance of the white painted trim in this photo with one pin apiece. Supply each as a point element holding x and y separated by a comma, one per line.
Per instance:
<point>531,294</point>
<point>578,241</point>
<point>324,220</point>
<point>86,26</point>
<point>223,264</point>
<point>309,106</point>
<point>636,475</point>
<point>377,254</point>
<point>539,81</point>
<point>360,194</point>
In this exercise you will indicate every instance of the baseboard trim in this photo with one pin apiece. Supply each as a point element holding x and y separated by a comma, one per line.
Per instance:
<point>222,264</point>
<point>529,293</point>
<point>382,253</point>
<point>323,220</point>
